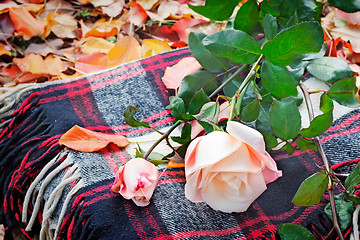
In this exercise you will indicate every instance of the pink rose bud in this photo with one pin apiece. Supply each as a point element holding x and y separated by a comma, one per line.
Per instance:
<point>136,180</point>
<point>229,170</point>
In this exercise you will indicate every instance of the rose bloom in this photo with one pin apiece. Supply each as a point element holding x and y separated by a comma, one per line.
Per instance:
<point>230,170</point>
<point>136,180</point>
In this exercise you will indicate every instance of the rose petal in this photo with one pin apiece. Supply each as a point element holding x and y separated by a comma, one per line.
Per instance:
<point>247,135</point>
<point>209,150</point>
<point>220,195</point>
<point>132,171</point>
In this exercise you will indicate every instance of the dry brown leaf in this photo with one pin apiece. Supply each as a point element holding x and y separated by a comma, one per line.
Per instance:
<point>44,49</point>
<point>147,4</point>
<point>114,9</point>
<point>151,47</point>
<point>125,50</point>
<point>4,50</point>
<point>34,8</point>
<point>100,3</point>
<point>25,24</point>
<point>58,6</point>
<point>62,25</point>
<point>92,45</point>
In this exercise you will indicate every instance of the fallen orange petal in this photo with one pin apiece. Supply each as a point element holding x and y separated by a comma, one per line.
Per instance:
<point>175,74</point>
<point>173,164</point>
<point>85,140</point>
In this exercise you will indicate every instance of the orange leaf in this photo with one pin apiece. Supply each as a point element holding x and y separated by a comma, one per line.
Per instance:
<point>180,27</point>
<point>25,23</point>
<point>85,140</point>
<point>34,63</point>
<point>125,50</point>
<point>92,63</point>
<point>137,14</point>
<point>6,5</point>
<point>96,33</point>
<point>173,164</point>
<point>173,75</point>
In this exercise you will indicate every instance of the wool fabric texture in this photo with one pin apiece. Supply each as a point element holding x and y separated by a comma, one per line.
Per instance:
<point>57,193</point>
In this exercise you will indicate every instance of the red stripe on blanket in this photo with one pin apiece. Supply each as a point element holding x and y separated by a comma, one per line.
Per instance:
<point>188,234</point>
<point>348,132</point>
<point>344,123</point>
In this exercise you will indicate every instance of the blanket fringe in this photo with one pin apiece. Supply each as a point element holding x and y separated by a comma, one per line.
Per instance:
<point>12,95</point>
<point>66,163</point>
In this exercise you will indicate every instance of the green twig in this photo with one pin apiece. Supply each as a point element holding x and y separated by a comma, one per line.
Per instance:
<point>244,84</point>
<point>325,162</point>
<point>165,135</point>
<point>228,80</point>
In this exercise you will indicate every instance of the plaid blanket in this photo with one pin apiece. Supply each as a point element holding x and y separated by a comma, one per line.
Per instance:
<point>58,193</point>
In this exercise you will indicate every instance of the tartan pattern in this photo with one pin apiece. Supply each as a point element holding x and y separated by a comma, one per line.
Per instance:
<point>29,139</point>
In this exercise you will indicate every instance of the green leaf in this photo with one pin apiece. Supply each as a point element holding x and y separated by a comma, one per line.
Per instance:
<point>277,80</point>
<point>302,38</point>
<point>130,120</point>
<point>292,231</point>
<point>270,141</point>
<point>231,88</point>
<point>157,162</point>
<point>346,6</point>
<point>306,10</point>
<point>216,10</point>
<point>318,125</point>
<point>207,60</point>
<point>185,135</point>
<point>270,26</point>
<point>329,69</point>
<point>289,148</point>
<point>209,112</point>
<point>236,45</point>
<point>262,124</point>
<point>192,83</point>
<point>198,101</point>
<point>344,210</point>
<point>343,92</point>
<point>285,119</point>
<point>293,20</point>
<point>305,144</point>
<point>247,16</point>
<point>177,107</point>
<point>326,103</point>
<point>311,190</point>
<point>251,111</point>
<point>353,179</point>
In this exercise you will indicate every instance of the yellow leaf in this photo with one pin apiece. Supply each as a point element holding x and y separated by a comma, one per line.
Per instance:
<point>152,47</point>
<point>92,45</point>
<point>35,8</point>
<point>55,65</point>
<point>125,50</point>
<point>62,25</point>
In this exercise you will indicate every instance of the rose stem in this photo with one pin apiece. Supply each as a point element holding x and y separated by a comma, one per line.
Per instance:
<point>325,162</point>
<point>165,135</point>
<point>244,84</point>
<point>228,81</point>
